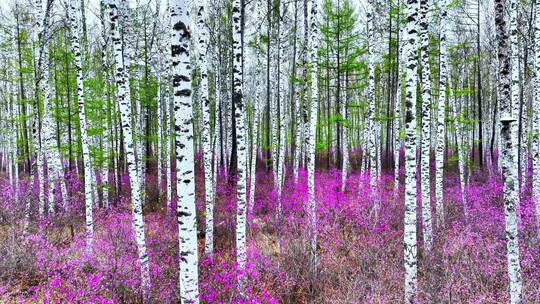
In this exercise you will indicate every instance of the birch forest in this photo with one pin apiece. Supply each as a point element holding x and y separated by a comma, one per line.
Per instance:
<point>269,151</point>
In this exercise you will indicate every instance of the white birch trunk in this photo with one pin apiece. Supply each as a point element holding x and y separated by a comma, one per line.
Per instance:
<point>514,75</point>
<point>205,131</point>
<point>508,141</point>
<point>440,145</point>
<point>306,105</point>
<point>75,34</point>
<point>124,106</point>
<point>159,148</point>
<point>282,85</point>
<point>426,124</point>
<point>397,114</point>
<point>50,150</point>
<point>371,149</point>
<point>409,235</point>
<point>241,145</point>
<point>253,156</point>
<point>185,167</point>
<point>36,134</point>
<point>311,140</point>
<point>256,104</point>
<point>217,126</point>
<point>41,83</point>
<point>298,129</point>
<point>168,120</point>
<point>344,146</point>
<point>536,120</point>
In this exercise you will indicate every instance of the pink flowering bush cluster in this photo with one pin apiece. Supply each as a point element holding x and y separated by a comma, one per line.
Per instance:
<point>359,254</point>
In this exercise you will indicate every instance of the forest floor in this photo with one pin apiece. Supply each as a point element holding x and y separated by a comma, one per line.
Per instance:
<point>360,252</point>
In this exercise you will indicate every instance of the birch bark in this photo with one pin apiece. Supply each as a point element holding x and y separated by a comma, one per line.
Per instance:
<point>508,135</point>
<point>241,144</point>
<point>75,46</point>
<point>409,235</point>
<point>311,139</point>
<point>536,119</point>
<point>439,153</point>
<point>426,124</point>
<point>124,107</point>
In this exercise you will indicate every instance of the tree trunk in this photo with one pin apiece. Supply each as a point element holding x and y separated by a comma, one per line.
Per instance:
<point>311,139</point>
<point>124,107</point>
<point>409,235</point>
<point>440,145</point>
<point>536,120</point>
<point>508,142</point>
<point>241,145</point>
<point>75,46</point>
<point>426,124</point>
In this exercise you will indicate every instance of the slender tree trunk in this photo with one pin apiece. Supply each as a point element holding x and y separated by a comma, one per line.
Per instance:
<point>479,91</point>
<point>515,83</point>
<point>426,124</point>
<point>298,127</point>
<point>205,131</point>
<point>508,142</point>
<point>305,101</point>
<point>241,145</point>
<point>311,139</point>
<point>124,105</point>
<point>397,112</point>
<point>282,97</point>
<point>75,46</point>
<point>256,117</point>
<point>439,153</point>
<point>185,171</point>
<point>371,149</point>
<point>344,142</point>
<point>409,234</point>
<point>50,151</point>
<point>536,120</point>
<point>159,131</point>
<point>168,120</point>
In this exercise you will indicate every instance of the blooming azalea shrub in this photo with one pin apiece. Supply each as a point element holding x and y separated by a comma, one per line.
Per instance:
<point>359,248</point>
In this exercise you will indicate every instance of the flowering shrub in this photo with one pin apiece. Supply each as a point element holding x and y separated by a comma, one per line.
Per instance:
<point>360,253</point>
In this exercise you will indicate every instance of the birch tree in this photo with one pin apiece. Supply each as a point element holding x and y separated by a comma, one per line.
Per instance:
<point>439,152</point>
<point>168,117</point>
<point>282,61</point>
<point>241,145</point>
<point>299,128</point>
<point>536,120</point>
<point>37,138</point>
<point>75,46</point>
<point>42,85</point>
<point>397,113</point>
<point>371,149</point>
<point>205,132</point>
<point>257,115</point>
<point>185,171</point>
<point>508,152</point>
<point>426,125</point>
<point>515,83</point>
<point>311,140</point>
<point>409,235</point>
<point>124,107</point>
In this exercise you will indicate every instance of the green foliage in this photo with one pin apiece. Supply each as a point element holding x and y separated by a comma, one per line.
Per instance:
<point>320,146</point>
